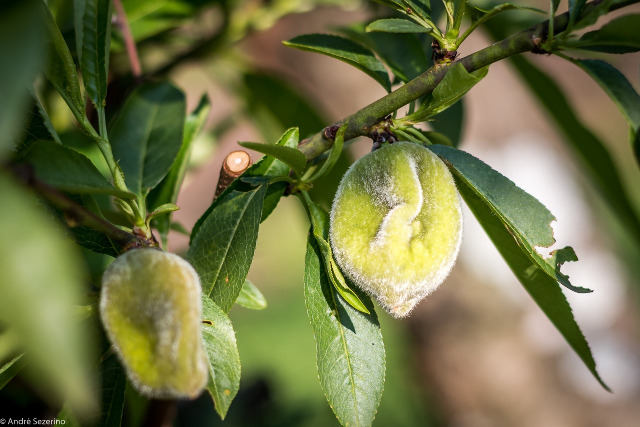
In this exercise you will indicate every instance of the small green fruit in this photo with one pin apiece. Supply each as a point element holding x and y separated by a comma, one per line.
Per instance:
<point>151,310</point>
<point>396,224</point>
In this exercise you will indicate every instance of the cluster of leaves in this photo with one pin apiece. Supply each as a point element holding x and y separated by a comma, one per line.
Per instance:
<point>145,149</point>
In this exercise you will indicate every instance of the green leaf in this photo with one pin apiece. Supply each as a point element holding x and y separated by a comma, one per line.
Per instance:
<point>61,70</point>
<point>455,84</point>
<point>479,16</point>
<point>93,40</point>
<point>595,11</point>
<point>291,156</point>
<point>617,87</point>
<point>394,25</point>
<point>222,250</point>
<point>621,35</point>
<point>222,351</point>
<point>334,155</point>
<point>21,52</point>
<point>114,382</point>
<point>168,189</point>
<point>404,54</point>
<point>528,220</point>
<point>349,348</point>
<point>251,297</point>
<point>41,280</point>
<point>11,368</point>
<point>346,51</point>
<point>68,170</point>
<point>542,287</point>
<point>275,106</point>
<point>595,158</point>
<point>319,219</point>
<point>146,135</point>
<point>148,19</point>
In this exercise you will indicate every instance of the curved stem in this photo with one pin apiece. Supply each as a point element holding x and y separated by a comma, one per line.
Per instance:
<point>360,122</point>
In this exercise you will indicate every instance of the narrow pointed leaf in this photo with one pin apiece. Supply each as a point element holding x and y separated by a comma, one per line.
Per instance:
<point>528,220</point>
<point>222,352</point>
<point>395,25</point>
<point>291,156</point>
<point>11,368</point>
<point>61,70</point>
<point>114,382</point>
<point>543,288</point>
<point>616,85</point>
<point>349,350</point>
<point>251,297</point>
<point>403,53</point>
<point>455,84</point>
<point>319,219</point>
<point>222,250</point>
<point>146,135</point>
<point>592,153</point>
<point>346,51</point>
<point>621,35</point>
<point>68,170</point>
<point>93,40</point>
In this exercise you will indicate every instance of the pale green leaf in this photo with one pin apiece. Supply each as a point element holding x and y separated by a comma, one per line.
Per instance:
<point>251,297</point>
<point>41,280</point>
<point>395,25</point>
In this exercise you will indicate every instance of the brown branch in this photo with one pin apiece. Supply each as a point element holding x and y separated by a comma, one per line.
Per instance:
<point>122,23</point>
<point>233,166</point>
<point>76,215</point>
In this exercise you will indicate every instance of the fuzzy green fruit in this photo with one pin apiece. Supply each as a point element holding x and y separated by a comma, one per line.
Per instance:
<point>151,310</point>
<point>396,224</point>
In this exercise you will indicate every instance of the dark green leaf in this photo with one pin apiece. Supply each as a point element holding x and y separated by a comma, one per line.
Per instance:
<point>404,54</point>
<point>21,52</point>
<point>528,220</point>
<point>93,40</point>
<point>346,51</point>
<point>595,158</point>
<point>455,84</point>
<point>146,21</point>
<point>543,288</point>
<point>618,36</point>
<point>222,351</point>
<point>61,70</point>
<point>319,219</point>
<point>349,349</point>
<point>41,279</point>
<point>394,25</point>
<point>479,15</point>
<point>146,136</point>
<point>114,382</point>
<point>590,16</point>
<point>168,189</point>
<point>222,250</point>
<point>275,106</point>
<point>291,156</point>
<point>68,170</point>
<point>251,297</point>
<point>11,368</point>
<point>617,87</point>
